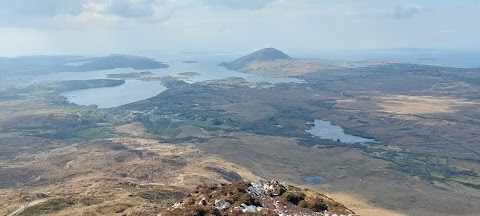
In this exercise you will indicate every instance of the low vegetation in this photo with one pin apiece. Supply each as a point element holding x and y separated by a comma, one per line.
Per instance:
<point>252,125</point>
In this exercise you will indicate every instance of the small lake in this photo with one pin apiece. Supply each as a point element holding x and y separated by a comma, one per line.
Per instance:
<point>315,179</point>
<point>325,130</point>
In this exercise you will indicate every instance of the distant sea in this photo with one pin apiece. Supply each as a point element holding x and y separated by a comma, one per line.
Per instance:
<point>447,58</point>
<point>459,59</point>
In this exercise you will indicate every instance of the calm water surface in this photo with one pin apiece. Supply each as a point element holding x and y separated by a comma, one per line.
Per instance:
<point>206,66</point>
<point>134,90</point>
<point>131,91</point>
<point>325,130</point>
<point>315,179</point>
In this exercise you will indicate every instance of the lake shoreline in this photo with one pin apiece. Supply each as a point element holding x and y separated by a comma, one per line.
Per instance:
<point>326,130</point>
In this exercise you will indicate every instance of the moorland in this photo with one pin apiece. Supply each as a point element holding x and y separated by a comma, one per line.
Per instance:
<point>137,159</point>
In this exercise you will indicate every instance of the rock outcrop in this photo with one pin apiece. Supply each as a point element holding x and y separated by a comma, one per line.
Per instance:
<point>256,198</point>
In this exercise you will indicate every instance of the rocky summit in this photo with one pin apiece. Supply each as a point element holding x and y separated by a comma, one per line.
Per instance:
<point>256,198</point>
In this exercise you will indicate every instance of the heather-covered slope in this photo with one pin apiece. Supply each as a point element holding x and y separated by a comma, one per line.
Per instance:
<point>256,198</point>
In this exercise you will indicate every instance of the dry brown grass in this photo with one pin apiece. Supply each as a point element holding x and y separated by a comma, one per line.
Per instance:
<point>404,104</point>
<point>14,103</point>
<point>114,173</point>
<point>374,189</point>
<point>133,129</point>
<point>361,205</point>
<point>299,67</point>
<point>421,124</point>
<point>192,131</point>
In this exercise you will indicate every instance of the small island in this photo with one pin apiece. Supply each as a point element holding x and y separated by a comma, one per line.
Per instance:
<point>70,85</point>
<point>131,75</point>
<point>189,61</point>
<point>190,74</point>
<point>41,64</point>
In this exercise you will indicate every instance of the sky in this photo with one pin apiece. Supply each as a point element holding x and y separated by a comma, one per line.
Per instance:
<point>132,26</point>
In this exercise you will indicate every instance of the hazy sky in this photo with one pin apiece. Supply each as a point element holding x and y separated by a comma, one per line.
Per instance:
<point>125,26</point>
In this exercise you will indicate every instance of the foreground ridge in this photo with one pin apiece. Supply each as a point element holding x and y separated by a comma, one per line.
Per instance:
<point>256,198</point>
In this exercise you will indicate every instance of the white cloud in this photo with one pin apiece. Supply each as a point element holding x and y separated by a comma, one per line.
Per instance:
<point>23,12</point>
<point>97,7</point>
<point>202,25</point>
<point>133,8</point>
<point>405,12</point>
<point>239,4</point>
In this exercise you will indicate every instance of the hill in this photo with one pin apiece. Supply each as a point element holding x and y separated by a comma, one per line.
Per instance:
<point>256,198</point>
<point>270,62</point>
<point>263,55</point>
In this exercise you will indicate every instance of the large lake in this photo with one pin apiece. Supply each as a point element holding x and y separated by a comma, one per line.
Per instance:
<point>107,97</point>
<point>206,66</point>
<point>135,90</point>
<point>326,130</point>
